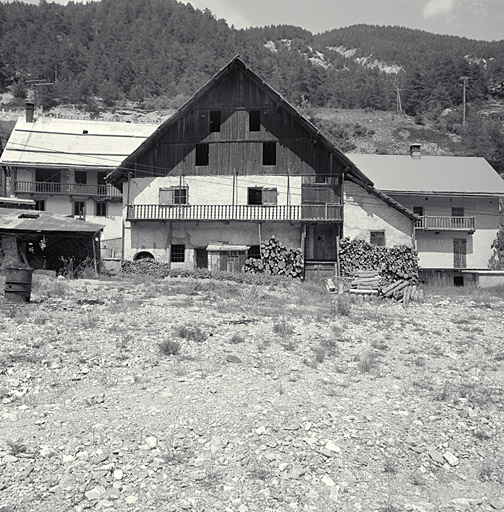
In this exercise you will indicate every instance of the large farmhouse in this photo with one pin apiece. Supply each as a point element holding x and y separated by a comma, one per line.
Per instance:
<point>237,164</point>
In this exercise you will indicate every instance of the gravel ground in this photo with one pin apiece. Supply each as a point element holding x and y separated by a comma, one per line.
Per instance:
<point>178,394</point>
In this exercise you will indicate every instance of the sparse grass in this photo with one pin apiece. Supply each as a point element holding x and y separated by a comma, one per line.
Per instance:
<point>343,305</point>
<point>191,333</point>
<point>485,472</point>
<point>390,466</point>
<point>367,361</point>
<point>169,348</point>
<point>389,507</point>
<point>282,327</point>
<point>17,447</point>
<point>379,345</point>
<point>90,320</point>
<point>260,473</point>
<point>444,393</point>
<point>236,339</point>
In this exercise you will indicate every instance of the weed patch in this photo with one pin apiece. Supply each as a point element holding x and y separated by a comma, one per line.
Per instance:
<point>191,333</point>
<point>169,348</point>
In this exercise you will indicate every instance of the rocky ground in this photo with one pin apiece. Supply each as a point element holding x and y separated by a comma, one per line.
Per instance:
<point>173,395</point>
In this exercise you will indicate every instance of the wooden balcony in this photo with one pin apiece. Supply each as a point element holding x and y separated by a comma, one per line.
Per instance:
<point>305,212</point>
<point>74,189</point>
<point>447,224</point>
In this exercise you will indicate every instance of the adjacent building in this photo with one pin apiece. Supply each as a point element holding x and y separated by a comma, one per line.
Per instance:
<point>61,164</point>
<point>459,203</point>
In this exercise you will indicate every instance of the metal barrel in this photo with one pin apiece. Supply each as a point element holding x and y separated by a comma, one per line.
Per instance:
<point>18,283</point>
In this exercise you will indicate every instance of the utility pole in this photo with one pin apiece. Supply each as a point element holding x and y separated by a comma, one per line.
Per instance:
<point>398,99</point>
<point>464,80</point>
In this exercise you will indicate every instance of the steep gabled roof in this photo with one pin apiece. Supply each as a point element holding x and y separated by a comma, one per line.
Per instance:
<point>448,175</point>
<point>63,143</point>
<point>119,175</point>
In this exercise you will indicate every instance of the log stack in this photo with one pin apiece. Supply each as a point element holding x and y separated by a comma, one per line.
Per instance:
<point>276,259</point>
<point>403,290</point>
<point>365,282</point>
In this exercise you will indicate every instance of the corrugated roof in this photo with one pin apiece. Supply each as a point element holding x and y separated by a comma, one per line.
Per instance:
<point>34,221</point>
<point>430,174</point>
<point>49,142</point>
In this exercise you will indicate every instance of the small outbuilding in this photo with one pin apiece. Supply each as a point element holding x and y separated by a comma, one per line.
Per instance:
<point>44,240</point>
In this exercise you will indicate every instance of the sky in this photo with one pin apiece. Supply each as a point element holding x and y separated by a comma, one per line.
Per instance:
<point>475,19</point>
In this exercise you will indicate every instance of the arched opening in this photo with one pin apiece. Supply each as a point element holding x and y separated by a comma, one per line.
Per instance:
<point>144,255</point>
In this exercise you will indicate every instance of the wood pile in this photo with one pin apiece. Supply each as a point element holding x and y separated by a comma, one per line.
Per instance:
<point>276,259</point>
<point>365,282</point>
<point>399,262</point>
<point>403,290</point>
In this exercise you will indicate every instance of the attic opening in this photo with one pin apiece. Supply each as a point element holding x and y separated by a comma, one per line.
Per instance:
<point>255,121</point>
<point>215,120</point>
<point>269,153</point>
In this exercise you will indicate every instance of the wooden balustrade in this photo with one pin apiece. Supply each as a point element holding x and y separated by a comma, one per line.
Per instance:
<point>447,224</point>
<point>328,212</point>
<point>48,187</point>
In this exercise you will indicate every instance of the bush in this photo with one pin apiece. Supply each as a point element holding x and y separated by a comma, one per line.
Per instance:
<point>169,348</point>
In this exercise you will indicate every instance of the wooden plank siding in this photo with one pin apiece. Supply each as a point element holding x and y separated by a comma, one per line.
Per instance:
<point>235,149</point>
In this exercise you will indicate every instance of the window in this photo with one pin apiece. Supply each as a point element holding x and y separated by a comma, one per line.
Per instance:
<point>254,252</point>
<point>255,121</point>
<point>79,208</point>
<point>457,212</point>
<point>269,153</point>
<point>377,238</point>
<point>260,195</point>
<point>215,120</point>
<point>80,177</point>
<point>48,180</point>
<point>319,180</point>
<point>202,154</point>
<point>40,205</point>
<point>174,195</point>
<point>418,210</point>
<point>178,253</point>
<point>101,209</point>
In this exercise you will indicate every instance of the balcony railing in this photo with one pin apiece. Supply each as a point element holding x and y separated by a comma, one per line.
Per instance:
<point>447,224</point>
<point>47,187</point>
<point>305,212</point>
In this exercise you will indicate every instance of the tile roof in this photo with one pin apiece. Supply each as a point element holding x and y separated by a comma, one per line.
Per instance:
<point>50,142</point>
<point>430,174</point>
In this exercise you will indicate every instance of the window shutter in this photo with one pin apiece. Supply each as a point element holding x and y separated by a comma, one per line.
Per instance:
<point>269,196</point>
<point>165,196</point>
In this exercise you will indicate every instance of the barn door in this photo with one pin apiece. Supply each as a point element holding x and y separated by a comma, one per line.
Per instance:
<point>321,242</point>
<point>459,252</point>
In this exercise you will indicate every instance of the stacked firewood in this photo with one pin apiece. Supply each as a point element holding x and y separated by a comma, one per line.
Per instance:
<point>276,259</point>
<point>403,290</point>
<point>365,282</point>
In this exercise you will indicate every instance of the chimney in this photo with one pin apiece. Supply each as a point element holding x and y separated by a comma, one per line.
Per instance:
<point>415,150</point>
<point>30,107</point>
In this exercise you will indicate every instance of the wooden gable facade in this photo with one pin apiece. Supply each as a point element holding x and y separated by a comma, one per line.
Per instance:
<point>238,125</point>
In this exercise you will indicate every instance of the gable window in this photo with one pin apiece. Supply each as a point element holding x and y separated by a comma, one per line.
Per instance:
<point>202,154</point>
<point>377,238</point>
<point>215,120</point>
<point>178,253</point>
<point>418,210</point>
<point>40,205</point>
<point>101,209</point>
<point>174,195</point>
<point>80,177</point>
<point>269,153</point>
<point>262,196</point>
<point>254,121</point>
<point>79,208</point>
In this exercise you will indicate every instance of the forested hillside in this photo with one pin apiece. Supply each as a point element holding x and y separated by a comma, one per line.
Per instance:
<point>159,52</point>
